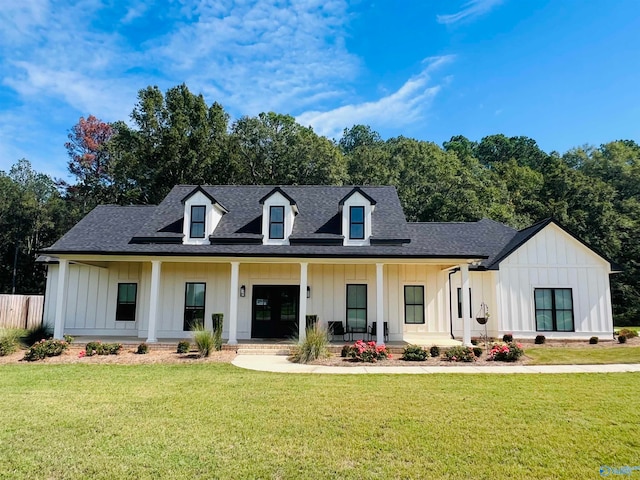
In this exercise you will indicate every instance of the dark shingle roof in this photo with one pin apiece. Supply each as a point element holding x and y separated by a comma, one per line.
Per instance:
<point>483,238</point>
<point>157,230</point>
<point>318,216</point>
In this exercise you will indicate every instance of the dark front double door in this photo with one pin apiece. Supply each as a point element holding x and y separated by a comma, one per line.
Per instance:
<point>274,311</point>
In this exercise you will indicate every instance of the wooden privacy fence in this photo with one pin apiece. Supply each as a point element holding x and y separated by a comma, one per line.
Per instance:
<point>21,311</point>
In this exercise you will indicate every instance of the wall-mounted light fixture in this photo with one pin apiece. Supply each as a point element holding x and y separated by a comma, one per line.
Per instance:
<point>243,291</point>
<point>308,292</point>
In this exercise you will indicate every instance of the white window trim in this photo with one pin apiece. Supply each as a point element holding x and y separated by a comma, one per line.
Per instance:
<point>356,200</point>
<point>277,200</point>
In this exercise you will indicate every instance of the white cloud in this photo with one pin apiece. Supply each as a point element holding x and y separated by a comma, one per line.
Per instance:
<point>471,9</point>
<point>84,93</point>
<point>402,107</point>
<point>258,56</point>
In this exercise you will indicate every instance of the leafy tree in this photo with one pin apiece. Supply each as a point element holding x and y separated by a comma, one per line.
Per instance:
<point>176,139</point>
<point>497,149</point>
<point>273,149</point>
<point>32,216</point>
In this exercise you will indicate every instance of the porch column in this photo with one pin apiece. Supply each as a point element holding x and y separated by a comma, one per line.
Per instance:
<point>302,317</point>
<point>61,299</point>
<point>466,318</point>
<point>380,303</point>
<point>154,297</point>
<point>233,304</point>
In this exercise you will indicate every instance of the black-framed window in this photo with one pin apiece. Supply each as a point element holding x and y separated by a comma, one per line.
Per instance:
<point>356,223</point>
<point>357,308</point>
<point>194,295</point>
<point>413,304</point>
<point>554,309</point>
<point>460,304</point>
<point>197,221</point>
<point>276,222</point>
<point>126,307</point>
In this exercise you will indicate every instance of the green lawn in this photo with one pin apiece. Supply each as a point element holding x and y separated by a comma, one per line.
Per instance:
<point>587,355</point>
<point>636,328</point>
<point>217,421</point>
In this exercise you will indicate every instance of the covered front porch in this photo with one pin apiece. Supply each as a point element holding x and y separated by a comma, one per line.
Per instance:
<point>413,297</point>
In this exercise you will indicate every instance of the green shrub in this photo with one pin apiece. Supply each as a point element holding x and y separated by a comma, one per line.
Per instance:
<point>143,349</point>
<point>369,352</point>
<point>68,338</point>
<point>414,353</point>
<point>509,352</point>
<point>507,337</point>
<point>217,320</point>
<point>9,339</point>
<point>204,340</point>
<point>627,332</point>
<point>184,346</point>
<point>459,354</point>
<point>99,348</point>
<point>540,340</point>
<point>314,346</point>
<point>45,348</point>
<point>37,333</point>
<point>593,341</point>
<point>622,339</point>
<point>434,351</point>
<point>7,346</point>
<point>477,351</point>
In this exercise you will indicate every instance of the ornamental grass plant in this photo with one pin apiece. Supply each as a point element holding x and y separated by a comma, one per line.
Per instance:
<point>314,346</point>
<point>204,339</point>
<point>9,340</point>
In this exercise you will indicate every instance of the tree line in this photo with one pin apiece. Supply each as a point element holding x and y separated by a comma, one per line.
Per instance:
<point>177,138</point>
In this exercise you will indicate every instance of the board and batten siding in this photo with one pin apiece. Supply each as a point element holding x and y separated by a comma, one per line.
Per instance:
<point>483,290</point>
<point>92,297</point>
<point>554,259</point>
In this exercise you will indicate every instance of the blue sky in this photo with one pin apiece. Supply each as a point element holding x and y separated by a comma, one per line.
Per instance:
<point>565,73</point>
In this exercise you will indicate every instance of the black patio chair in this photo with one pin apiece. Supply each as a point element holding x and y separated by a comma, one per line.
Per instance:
<point>336,329</point>
<point>373,332</point>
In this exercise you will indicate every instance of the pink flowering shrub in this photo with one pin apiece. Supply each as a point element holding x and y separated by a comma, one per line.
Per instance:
<point>45,348</point>
<point>362,351</point>
<point>460,354</point>
<point>508,352</point>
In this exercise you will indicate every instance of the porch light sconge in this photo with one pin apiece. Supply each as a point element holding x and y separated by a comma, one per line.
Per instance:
<point>308,292</point>
<point>243,291</point>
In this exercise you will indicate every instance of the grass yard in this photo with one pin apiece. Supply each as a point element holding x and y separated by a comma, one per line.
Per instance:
<point>217,421</point>
<point>587,355</point>
<point>636,328</point>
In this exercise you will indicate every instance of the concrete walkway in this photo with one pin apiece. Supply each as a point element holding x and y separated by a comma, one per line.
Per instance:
<point>280,364</point>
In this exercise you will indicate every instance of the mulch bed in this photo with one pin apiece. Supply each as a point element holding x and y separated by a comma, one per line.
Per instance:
<point>127,356</point>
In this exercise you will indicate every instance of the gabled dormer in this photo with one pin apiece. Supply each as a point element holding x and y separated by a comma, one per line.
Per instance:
<point>356,208</point>
<point>279,211</point>
<point>202,213</point>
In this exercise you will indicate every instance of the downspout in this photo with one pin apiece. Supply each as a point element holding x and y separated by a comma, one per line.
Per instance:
<point>451,272</point>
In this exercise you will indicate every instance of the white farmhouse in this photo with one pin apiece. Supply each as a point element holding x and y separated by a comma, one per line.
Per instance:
<point>266,257</point>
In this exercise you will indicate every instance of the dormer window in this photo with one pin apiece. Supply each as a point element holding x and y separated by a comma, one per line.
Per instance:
<point>202,214</point>
<point>356,223</point>
<point>279,211</point>
<point>356,211</point>
<point>197,221</point>
<point>276,222</point>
